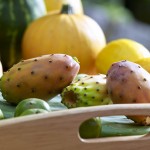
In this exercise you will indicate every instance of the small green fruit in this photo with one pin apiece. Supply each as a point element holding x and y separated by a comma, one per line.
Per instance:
<point>90,128</point>
<point>31,103</point>
<point>33,111</point>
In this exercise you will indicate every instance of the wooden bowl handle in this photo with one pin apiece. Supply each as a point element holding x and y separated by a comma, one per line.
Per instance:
<point>59,130</point>
<point>113,110</point>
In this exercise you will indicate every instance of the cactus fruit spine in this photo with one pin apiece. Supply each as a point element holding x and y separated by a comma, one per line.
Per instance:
<point>128,82</point>
<point>89,90</point>
<point>41,77</point>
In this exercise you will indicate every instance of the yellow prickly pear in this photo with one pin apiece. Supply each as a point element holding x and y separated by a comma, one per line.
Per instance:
<point>41,77</point>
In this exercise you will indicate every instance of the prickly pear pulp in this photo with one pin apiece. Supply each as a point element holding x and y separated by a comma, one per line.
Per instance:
<point>90,128</point>
<point>117,50</point>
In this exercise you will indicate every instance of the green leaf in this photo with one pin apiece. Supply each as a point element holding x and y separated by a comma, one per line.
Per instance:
<point>56,104</point>
<point>7,109</point>
<point>121,126</point>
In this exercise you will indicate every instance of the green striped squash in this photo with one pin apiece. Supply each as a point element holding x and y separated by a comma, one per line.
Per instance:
<point>15,16</point>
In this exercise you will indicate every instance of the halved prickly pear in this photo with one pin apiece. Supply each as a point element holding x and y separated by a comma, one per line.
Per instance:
<point>89,90</point>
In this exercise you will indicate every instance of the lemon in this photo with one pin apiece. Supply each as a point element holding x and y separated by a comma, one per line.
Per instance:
<point>117,50</point>
<point>145,63</point>
<point>90,128</point>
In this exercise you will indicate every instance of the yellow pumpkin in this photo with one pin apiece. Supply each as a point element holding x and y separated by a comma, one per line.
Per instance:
<point>52,5</point>
<point>72,34</point>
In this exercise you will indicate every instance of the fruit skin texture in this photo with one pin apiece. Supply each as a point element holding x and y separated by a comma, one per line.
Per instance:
<point>128,82</point>
<point>91,128</point>
<point>145,63</point>
<point>15,16</point>
<point>117,50</point>
<point>87,91</point>
<point>33,111</point>
<point>65,32</point>
<point>31,103</point>
<point>79,76</point>
<point>53,5</point>
<point>41,77</point>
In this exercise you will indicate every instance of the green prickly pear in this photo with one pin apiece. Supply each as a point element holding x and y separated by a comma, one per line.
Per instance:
<point>89,90</point>
<point>128,82</point>
<point>33,111</point>
<point>41,77</point>
<point>31,103</point>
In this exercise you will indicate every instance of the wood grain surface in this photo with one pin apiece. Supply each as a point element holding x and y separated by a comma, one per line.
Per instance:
<point>59,130</point>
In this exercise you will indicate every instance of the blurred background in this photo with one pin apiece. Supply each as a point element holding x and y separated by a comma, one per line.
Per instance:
<point>121,18</point>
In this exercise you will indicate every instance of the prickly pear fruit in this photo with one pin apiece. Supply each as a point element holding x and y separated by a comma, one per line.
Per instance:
<point>33,111</point>
<point>41,77</point>
<point>128,82</point>
<point>145,63</point>
<point>31,103</point>
<point>79,76</point>
<point>89,90</point>
<point>91,128</point>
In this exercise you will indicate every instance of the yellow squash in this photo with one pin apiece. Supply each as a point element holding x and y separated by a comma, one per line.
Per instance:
<point>52,5</point>
<point>68,33</point>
